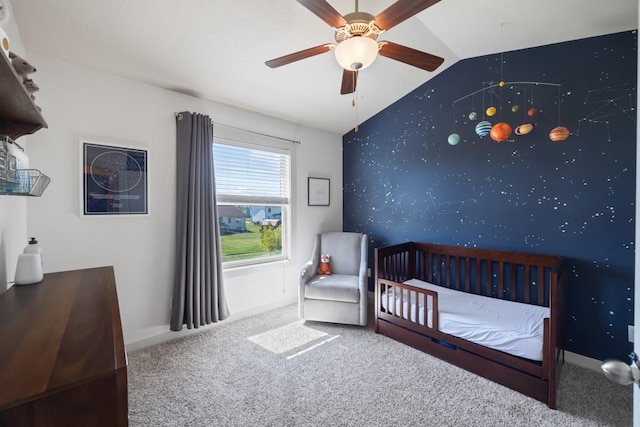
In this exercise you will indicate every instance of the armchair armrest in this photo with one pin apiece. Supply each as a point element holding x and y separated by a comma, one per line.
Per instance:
<point>310,268</point>
<point>308,271</point>
<point>363,278</point>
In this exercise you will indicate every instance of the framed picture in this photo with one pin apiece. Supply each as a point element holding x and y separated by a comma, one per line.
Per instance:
<point>318,191</point>
<point>114,180</point>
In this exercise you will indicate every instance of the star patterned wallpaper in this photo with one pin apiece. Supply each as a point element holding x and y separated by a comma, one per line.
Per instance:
<point>404,180</point>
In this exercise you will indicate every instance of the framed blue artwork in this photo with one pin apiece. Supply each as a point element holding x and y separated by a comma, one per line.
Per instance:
<point>114,180</point>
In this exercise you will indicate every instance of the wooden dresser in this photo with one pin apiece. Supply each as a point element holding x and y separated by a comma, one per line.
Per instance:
<point>62,356</point>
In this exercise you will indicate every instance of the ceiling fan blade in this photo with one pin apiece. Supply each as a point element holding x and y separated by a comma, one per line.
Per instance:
<point>410,56</point>
<point>349,79</point>
<point>400,11</point>
<point>325,11</point>
<point>297,56</point>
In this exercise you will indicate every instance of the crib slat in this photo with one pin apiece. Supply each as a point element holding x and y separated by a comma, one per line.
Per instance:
<point>393,300</point>
<point>447,272</point>
<point>395,267</point>
<point>427,267</point>
<point>488,282</point>
<point>434,268</point>
<point>467,272</point>
<point>401,311</point>
<point>434,313</point>
<point>540,285</point>
<point>385,267</point>
<point>501,280</point>
<point>478,269</point>
<point>514,282</point>
<point>444,271</point>
<point>388,267</point>
<point>527,283</point>
<point>385,288</point>
<point>411,262</point>
<point>413,311</point>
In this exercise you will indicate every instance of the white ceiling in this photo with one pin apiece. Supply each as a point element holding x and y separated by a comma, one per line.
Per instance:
<point>216,49</point>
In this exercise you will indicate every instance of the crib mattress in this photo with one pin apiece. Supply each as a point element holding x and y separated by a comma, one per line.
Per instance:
<point>507,326</point>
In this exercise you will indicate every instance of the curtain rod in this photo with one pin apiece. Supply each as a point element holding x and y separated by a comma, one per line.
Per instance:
<point>294,141</point>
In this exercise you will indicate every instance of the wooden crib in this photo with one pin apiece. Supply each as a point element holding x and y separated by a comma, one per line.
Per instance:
<point>511,276</point>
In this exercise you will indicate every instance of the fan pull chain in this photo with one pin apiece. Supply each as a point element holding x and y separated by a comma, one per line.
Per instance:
<point>353,101</point>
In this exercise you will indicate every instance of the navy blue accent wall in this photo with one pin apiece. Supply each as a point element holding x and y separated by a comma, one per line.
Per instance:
<point>403,181</point>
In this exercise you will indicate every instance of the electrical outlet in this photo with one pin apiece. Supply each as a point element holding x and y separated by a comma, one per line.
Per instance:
<point>368,272</point>
<point>630,332</point>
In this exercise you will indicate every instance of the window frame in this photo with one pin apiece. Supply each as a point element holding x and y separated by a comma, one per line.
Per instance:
<point>286,217</point>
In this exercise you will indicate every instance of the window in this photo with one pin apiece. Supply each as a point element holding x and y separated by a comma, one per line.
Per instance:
<point>252,194</point>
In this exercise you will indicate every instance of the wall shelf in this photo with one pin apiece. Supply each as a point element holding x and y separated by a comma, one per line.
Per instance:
<point>18,113</point>
<point>19,116</point>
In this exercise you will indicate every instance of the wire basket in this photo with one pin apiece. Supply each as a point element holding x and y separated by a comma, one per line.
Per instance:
<point>29,182</point>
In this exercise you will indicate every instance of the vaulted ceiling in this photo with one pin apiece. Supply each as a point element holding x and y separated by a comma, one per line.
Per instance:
<point>216,49</point>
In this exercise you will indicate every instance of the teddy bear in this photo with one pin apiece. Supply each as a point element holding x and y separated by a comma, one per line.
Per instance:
<point>30,86</point>
<point>22,67</point>
<point>325,267</point>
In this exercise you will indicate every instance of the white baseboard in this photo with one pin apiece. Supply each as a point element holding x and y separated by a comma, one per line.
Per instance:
<point>582,361</point>
<point>169,335</point>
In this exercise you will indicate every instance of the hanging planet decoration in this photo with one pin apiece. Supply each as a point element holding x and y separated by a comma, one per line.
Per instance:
<point>559,134</point>
<point>524,128</point>
<point>500,131</point>
<point>453,139</point>
<point>512,128</point>
<point>483,128</point>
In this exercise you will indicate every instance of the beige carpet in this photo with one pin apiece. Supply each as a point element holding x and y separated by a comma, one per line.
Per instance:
<point>273,370</point>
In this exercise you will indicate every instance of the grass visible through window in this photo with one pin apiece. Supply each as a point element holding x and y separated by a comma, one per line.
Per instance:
<point>242,246</point>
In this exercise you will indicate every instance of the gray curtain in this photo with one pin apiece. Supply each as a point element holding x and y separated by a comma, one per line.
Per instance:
<point>198,294</point>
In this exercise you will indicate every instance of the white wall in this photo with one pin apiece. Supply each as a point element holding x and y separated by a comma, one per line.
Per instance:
<point>79,103</point>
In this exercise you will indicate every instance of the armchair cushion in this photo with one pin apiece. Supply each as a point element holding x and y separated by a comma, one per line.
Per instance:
<point>345,252</point>
<point>337,287</point>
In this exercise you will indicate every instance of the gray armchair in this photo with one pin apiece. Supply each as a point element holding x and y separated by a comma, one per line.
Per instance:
<point>342,296</point>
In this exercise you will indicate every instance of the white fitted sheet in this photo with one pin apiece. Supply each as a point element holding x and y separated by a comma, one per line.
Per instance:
<point>512,327</point>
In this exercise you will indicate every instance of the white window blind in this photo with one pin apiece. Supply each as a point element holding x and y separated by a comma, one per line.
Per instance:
<point>247,175</point>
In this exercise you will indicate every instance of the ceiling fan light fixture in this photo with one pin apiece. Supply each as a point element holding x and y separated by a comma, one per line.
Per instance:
<point>356,53</point>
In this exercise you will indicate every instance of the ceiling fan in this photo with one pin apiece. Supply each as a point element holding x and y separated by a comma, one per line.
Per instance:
<point>356,37</point>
